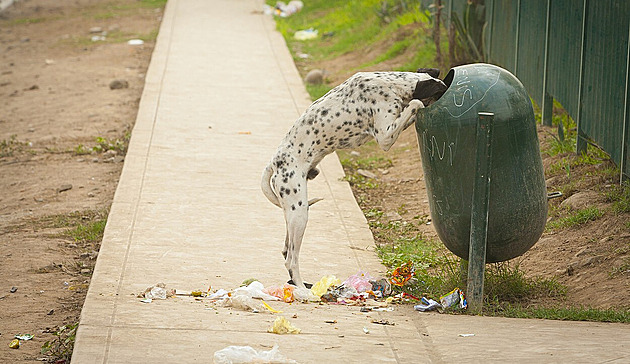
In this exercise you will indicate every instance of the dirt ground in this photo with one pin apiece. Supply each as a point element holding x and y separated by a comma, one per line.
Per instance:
<point>56,100</point>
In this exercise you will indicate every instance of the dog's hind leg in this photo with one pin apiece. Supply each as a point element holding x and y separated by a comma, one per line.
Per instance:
<point>388,127</point>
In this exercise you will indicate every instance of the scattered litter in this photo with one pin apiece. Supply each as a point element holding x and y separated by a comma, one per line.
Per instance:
<point>402,274</point>
<point>146,300</point>
<point>196,293</point>
<point>283,326</point>
<point>24,337</point>
<point>381,288</point>
<point>247,354</point>
<point>427,305</point>
<point>96,30</point>
<point>331,321</point>
<point>302,294</point>
<point>14,344</point>
<point>383,322</point>
<point>361,282</point>
<point>245,132</point>
<point>13,289</point>
<point>218,295</point>
<point>282,9</point>
<point>98,38</point>
<point>366,330</point>
<point>135,42</point>
<point>303,55</point>
<point>454,299</point>
<point>244,303</point>
<point>248,281</point>
<point>49,62</point>
<point>158,291</point>
<point>255,290</point>
<point>466,335</point>
<point>285,293</point>
<point>305,34</point>
<point>323,284</point>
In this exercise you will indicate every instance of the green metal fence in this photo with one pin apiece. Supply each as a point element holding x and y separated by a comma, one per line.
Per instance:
<point>576,51</point>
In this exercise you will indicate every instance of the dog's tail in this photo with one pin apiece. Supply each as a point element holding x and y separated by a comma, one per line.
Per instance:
<point>265,185</point>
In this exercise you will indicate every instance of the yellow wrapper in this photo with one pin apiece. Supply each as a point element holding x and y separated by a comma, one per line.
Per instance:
<point>283,326</point>
<point>15,344</point>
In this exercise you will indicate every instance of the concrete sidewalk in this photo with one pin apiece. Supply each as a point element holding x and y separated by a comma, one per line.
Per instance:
<point>221,92</point>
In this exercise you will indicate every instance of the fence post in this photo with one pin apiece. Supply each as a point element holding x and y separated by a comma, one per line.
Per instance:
<point>581,142</point>
<point>626,122</point>
<point>479,213</point>
<point>547,100</point>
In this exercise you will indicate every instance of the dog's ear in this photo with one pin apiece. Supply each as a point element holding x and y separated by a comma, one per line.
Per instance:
<point>430,90</point>
<point>433,72</point>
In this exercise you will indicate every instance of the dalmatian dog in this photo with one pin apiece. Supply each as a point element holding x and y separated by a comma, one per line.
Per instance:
<point>377,105</point>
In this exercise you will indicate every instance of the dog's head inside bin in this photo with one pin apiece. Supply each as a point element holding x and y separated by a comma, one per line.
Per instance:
<point>446,132</point>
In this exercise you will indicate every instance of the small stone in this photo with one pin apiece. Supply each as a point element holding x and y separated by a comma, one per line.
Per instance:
<point>90,194</point>
<point>64,187</point>
<point>96,30</point>
<point>110,153</point>
<point>581,252</point>
<point>50,312</point>
<point>13,289</point>
<point>392,216</point>
<point>366,174</point>
<point>118,84</point>
<point>315,77</point>
<point>354,153</point>
<point>85,271</point>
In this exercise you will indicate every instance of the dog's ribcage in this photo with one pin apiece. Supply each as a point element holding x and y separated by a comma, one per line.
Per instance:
<point>345,116</point>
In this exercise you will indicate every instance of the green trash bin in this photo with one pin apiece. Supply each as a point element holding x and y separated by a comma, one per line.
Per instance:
<point>447,139</point>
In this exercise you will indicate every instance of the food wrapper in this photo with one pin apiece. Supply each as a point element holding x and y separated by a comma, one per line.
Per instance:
<point>283,326</point>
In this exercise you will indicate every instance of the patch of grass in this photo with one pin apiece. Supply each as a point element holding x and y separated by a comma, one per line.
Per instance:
<point>317,91</point>
<point>356,24</point>
<point>620,197</point>
<point>505,282</point>
<point>60,348</point>
<point>9,146</point>
<point>576,218</point>
<point>360,182</point>
<point>104,144</point>
<point>369,163</point>
<point>90,232</point>
<point>434,272</point>
<point>21,21</point>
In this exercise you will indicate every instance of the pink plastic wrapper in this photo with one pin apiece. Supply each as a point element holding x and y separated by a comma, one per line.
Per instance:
<point>360,282</point>
<point>284,293</point>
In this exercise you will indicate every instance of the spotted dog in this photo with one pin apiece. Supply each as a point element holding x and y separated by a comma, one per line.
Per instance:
<point>377,105</point>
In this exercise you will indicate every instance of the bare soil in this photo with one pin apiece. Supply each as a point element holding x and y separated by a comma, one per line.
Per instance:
<point>56,100</point>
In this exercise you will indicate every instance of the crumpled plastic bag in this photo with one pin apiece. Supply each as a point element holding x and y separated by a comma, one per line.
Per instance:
<point>158,291</point>
<point>283,326</point>
<point>323,284</point>
<point>285,293</point>
<point>360,282</point>
<point>427,305</point>
<point>254,290</point>
<point>247,354</point>
<point>302,294</point>
<point>305,34</point>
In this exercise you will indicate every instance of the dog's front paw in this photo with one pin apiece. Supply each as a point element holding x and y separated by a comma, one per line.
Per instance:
<point>416,104</point>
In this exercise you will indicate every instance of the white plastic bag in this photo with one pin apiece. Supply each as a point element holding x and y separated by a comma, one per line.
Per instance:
<point>247,354</point>
<point>255,290</point>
